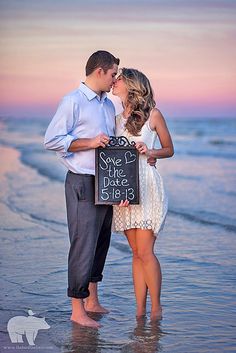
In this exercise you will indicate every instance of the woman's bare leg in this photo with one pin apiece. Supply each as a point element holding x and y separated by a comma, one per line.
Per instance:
<point>145,241</point>
<point>140,287</point>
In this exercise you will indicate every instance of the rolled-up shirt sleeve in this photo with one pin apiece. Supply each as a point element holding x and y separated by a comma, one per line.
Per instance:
<point>59,134</point>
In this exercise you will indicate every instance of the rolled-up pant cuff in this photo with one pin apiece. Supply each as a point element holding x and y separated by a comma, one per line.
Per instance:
<point>96,279</point>
<point>77,294</point>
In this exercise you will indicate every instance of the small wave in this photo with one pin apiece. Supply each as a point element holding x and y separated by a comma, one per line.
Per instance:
<point>222,142</point>
<point>188,177</point>
<point>206,154</point>
<point>35,157</point>
<point>46,166</point>
<point>194,218</point>
<point>51,221</point>
<point>36,293</point>
<point>9,230</point>
<point>121,247</point>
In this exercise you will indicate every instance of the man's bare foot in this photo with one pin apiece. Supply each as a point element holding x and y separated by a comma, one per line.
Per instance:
<point>156,314</point>
<point>85,321</point>
<point>91,303</point>
<point>95,308</point>
<point>80,316</point>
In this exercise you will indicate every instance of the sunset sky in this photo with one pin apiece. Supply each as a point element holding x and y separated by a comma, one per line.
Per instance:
<point>186,48</point>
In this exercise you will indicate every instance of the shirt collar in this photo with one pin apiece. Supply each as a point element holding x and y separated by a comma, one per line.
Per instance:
<point>90,94</point>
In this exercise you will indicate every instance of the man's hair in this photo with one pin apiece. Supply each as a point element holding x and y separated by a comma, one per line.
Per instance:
<point>100,58</point>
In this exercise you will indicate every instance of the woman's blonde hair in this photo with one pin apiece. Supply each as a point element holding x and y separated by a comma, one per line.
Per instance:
<point>140,99</point>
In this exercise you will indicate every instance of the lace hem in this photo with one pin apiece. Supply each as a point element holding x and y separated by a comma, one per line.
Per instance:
<point>147,224</point>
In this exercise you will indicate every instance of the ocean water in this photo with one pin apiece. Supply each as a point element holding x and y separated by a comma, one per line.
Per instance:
<point>196,248</point>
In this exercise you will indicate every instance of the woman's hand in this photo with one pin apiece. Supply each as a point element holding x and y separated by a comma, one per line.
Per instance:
<point>124,203</point>
<point>152,161</point>
<point>141,147</point>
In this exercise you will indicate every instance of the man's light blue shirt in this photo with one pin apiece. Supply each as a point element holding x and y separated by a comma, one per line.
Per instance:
<point>81,114</point>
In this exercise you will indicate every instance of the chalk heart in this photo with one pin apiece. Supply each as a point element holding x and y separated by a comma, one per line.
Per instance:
<point>129,157</point>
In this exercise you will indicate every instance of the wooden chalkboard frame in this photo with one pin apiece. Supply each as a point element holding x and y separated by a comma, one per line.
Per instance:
<point>121,144</point>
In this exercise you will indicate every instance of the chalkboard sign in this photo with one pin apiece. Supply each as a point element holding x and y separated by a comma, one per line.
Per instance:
<point>117,172</point>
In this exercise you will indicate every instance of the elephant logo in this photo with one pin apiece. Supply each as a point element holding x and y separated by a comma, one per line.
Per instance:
<point>25,325</point>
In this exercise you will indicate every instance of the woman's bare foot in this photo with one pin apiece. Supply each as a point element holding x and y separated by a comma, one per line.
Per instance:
<point>85,321</point>
<point>156,314</point>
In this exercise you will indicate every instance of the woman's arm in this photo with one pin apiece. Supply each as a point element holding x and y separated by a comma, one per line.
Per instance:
<point>157,123</point>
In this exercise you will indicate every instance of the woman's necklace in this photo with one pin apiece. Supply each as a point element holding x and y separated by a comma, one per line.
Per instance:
<point>123,121</point>
<point>125,114</point>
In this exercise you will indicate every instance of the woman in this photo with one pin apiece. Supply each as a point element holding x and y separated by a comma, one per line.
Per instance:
<point>142,123</point>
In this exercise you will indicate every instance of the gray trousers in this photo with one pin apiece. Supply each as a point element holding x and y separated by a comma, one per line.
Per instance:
<point>89,231</point>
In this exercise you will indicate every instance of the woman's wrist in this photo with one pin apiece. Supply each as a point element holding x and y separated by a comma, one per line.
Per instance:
<point>149,153</point>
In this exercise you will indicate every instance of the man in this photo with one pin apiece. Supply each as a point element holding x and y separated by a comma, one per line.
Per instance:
<point>84,121</point>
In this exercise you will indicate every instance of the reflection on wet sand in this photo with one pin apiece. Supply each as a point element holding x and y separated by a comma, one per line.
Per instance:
<point>198,271</point>
<point>145,337</point>
<point>83,339</point>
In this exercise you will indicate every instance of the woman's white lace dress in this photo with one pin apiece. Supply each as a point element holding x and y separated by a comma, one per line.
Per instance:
<point>151,211</point>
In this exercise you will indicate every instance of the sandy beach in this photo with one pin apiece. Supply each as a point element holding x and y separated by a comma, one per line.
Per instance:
<point>196,249</point>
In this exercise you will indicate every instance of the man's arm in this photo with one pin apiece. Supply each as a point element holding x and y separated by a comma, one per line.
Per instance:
<point>88,143</point>
<point>57,136</point>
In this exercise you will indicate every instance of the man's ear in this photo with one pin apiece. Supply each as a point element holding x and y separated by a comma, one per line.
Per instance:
<point>99,71</point>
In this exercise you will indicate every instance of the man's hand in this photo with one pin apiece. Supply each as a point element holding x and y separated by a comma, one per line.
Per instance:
<point>84,144</point>
<point>100,140</point>
<point>124,203</point>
